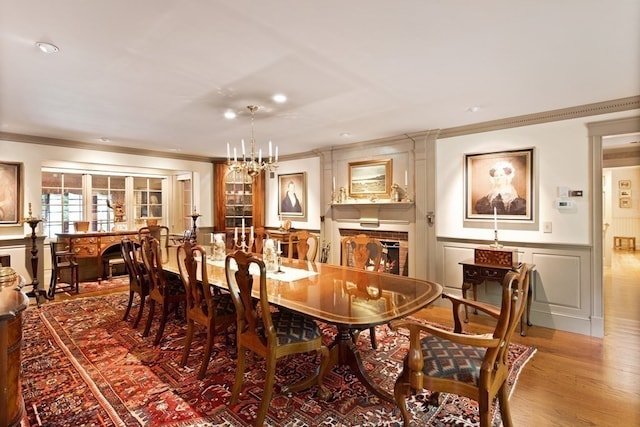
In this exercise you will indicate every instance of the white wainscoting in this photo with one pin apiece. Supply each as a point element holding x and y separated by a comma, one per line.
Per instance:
<point>561,283</point>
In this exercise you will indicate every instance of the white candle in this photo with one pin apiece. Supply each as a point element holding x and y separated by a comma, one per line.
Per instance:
<point>495,218</point>
<point>260,155</point>
<point>243,226</point>
<point>251,235</point>
<point>276,154</point>
<point>211,237</point>
<point>235,154</point>
<point>243,153</point>
<point>334,184</point>
<point>235,234</point>
<point>406,178</point>
<point>279,249</point>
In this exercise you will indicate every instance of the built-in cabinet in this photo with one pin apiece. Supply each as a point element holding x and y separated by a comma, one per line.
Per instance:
<point>237,197</point>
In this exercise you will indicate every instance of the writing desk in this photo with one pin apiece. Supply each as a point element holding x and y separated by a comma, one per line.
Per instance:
<point>349,298</point>
<point>474,274</point>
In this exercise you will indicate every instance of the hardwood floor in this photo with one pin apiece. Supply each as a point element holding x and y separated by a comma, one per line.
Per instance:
<point>576,380</point>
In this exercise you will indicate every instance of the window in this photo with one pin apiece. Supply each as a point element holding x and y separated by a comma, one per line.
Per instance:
<point>105,190</point>
<point>147,193</point>
<point>62,202</point>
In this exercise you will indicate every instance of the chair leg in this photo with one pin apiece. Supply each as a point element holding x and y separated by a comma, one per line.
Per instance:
<point>140,311</point>
<point>237,385</point>
<point>207,353</point>
<point>505,410</point>
<point>484,410</point>
<point>268,391</point>
<point>187,343</point>
<point>152,308</point>
<point>163,323</point>
<point>129,304</point>
<point>52,284</point>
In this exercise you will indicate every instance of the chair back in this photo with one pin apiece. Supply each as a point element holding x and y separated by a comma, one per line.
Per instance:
<point>129,251</point>
<point>305,243</point>
<point>515,288</point>
<point>361,251</point>
<point>152,260</point>
<point>240,283</point>
<point>161,233</point>
<point>259,236</point>
<point>196,286</point>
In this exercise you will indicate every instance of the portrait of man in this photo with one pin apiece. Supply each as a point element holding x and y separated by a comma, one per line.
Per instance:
<point>292,194</point>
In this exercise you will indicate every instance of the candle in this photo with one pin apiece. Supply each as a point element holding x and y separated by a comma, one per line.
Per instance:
<point>279,249</point>
<point>260,155</point>
<point>334,184</point>
<point>243,153</point>
<point>243,226</point>
<point>235,234</point>
<point>235,155</point>
<point>251,235</point>
<point>276,154</point>
<point>406,178</point>
<point>495,219</point>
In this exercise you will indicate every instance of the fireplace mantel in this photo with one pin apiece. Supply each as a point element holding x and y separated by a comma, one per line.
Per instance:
<point>369,213</point>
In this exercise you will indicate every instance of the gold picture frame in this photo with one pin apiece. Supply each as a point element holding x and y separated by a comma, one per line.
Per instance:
<point>370,178</point>
<point>10,193</point>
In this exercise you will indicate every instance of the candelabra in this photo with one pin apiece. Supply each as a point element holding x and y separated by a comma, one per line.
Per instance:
<point>252,165</point>
<point>242,244</point>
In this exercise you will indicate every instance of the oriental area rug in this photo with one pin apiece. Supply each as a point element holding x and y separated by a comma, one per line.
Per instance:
<point>83,365</point>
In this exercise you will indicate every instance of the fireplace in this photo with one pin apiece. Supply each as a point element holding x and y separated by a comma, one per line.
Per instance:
<point>395,249</point>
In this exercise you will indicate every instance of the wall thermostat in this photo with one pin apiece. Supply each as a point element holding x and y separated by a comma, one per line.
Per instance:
<point>565,204</point>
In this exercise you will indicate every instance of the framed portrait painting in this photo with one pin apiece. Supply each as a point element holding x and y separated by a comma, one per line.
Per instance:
<point>10,193</point>
<point>292,195</point>
<point>500,184</point>
<point>371,178</point>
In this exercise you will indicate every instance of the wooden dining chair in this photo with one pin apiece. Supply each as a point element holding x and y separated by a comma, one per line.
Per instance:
<point>138,278</point>
<point>305,244</point>
<point>164,289</point>
<point>475,366</point>
<point>162,234</point>
<point>62,260</point>
<point>259,236</point>
<point>216,312</point>
<point>363,252</point>
<point>272,335</point>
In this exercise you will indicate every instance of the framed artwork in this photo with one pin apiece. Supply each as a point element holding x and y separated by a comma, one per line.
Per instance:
<point>371,178</point>
<point>624,193</point>
<point>625,202</point>
<point>10,193</point>
<point>292,195</point>
<point>499,183</point>
<point>624,184</point>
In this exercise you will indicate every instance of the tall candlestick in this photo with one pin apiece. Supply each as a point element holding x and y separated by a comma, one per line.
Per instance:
<point>495,218</point>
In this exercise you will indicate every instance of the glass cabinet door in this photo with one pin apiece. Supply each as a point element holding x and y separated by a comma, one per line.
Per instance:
<point>238,191</point>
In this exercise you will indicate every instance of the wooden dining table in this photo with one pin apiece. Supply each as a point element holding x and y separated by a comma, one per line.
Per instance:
<point>349,298</point>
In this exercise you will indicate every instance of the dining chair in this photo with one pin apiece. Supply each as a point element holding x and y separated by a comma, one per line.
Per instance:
<point>270,334</point>
<point>363,252</point>
<point>162,234</point>
<point>215,311</point>
<point>305,244</point>
<point>62,260</point>
<point>475,366</point>
<point>164,289</point>
<point>259,236</point>
<point>138,278</point>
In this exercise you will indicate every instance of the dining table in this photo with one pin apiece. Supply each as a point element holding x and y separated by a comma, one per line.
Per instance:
<point>351,299</point>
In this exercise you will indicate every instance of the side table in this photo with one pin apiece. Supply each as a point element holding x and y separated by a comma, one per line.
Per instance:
<point>476,274</point>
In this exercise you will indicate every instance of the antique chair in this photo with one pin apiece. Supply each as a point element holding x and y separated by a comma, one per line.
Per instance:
<point>164,289</point>
<point>162,234</point>
<point>305,243</point>
<point>272,335</point>
<point>259,236</point>
<point>138,278</point>
<point>475,366</point>
<point>216,312</point>
<point>365,253</point>
<point>62,260</point>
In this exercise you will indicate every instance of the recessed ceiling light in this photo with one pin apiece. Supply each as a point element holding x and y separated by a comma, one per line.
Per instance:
<point>279,98</point>
<point>47,47</point>
<point>345,134</point>
<point>105,139</point>
<point>229,115</point>
<point>473,109</point>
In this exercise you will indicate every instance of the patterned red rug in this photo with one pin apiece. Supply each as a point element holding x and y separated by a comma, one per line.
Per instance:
<point>83,365</point>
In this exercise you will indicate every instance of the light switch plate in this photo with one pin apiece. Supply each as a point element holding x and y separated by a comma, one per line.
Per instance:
<point>546,226</point>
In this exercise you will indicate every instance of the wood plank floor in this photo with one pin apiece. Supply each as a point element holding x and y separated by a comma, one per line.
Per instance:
<point>576,380</point>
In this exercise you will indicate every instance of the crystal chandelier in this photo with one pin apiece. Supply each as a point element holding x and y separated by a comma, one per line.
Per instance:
<point>252,165</point>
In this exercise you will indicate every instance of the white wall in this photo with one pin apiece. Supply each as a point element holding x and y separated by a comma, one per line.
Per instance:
<point>560,159</point>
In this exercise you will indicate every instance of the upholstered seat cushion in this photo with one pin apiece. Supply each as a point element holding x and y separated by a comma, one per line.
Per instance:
<point>446,359</point>
<point>292,327</point>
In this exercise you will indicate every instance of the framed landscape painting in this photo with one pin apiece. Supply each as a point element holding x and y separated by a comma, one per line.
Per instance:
<point>10,193</point>
<point>371,178</point>
<point>499,185</point>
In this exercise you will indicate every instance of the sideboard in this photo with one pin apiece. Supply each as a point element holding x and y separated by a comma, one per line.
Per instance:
<point>95,244</point>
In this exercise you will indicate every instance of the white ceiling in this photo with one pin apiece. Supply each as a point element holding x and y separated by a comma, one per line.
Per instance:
<point>159,74</point>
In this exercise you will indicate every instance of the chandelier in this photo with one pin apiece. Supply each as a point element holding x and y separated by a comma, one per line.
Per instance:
<point>252,165</point>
